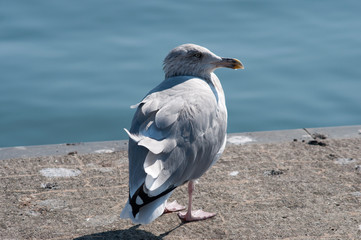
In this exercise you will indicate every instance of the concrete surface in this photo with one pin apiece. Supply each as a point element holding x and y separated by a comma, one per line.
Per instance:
<point>239,138</point>
<point>303,184</point>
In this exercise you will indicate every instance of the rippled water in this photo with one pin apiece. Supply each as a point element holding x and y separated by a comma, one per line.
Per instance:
<point>70,69</point>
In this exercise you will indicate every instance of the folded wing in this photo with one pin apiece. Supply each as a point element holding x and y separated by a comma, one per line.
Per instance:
<point>176,133</point>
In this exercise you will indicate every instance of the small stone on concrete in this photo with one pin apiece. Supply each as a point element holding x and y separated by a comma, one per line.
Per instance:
<point>59,172</point>
<point>273,172</point>
<point>315,142</point>
<point>239,140</point>
<point>356,194</point>
<point>49,185</point>
<point>344,161</point>
<point>104,151</point>
<point>234,173</point>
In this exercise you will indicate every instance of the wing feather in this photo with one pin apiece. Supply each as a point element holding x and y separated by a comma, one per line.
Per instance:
<point>169,113</point>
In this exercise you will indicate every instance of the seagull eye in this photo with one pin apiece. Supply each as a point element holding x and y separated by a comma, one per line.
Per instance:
<point>198,55</point>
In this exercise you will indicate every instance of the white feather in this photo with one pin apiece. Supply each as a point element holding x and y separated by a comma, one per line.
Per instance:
<point>154,169</point>
<point>156,146</point>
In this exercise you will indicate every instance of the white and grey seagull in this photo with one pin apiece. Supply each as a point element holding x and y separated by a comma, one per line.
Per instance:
<point>178,132</point>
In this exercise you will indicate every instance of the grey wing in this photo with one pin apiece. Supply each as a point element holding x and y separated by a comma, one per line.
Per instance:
<point>175,136</point>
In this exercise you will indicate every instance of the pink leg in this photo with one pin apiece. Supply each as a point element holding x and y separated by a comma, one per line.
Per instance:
<point>190,215</point>
<point>173,207</point>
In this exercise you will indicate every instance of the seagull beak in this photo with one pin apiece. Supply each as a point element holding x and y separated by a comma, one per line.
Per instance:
<point>230,63</point>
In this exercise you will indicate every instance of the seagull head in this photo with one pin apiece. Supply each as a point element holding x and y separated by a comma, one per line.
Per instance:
<point>195,60</point>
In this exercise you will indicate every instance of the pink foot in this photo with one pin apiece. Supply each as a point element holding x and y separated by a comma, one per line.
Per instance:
<point>173,207</point>
<point>195,216</point>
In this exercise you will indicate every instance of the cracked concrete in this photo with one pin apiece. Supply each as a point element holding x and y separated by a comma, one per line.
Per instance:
<point>287,189</point>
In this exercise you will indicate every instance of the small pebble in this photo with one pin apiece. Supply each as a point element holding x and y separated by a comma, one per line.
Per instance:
<point>319,136</point>
<point>72,144</point>
<point>344,161</point>
<point>315,142</point>
<point>49,185</point>
<point>273,172</point>
<point>104,151</point>
<point>356,194</point>
<point>59,172</point>
<point>234,173</point>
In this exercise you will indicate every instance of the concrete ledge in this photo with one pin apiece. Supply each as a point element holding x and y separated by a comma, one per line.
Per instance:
<point>278,136</point>
<point>63,149</point>
<point>297,184</point>
<point>281,136</point>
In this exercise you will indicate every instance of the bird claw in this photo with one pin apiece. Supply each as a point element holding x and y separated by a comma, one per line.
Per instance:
<point>195,216</point>
<point>173,207</point>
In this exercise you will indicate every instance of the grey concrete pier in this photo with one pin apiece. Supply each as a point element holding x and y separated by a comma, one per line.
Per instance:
<point>291,184</point>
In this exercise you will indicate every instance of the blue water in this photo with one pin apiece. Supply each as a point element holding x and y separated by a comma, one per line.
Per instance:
<point>69,70</point>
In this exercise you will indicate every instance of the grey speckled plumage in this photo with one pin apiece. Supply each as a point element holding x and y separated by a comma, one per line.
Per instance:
<point>178,130</point>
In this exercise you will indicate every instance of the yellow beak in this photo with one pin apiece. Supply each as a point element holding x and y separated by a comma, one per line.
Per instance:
<point>230,63</point>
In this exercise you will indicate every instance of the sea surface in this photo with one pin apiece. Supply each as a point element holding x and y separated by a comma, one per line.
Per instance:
<point>69,70</point>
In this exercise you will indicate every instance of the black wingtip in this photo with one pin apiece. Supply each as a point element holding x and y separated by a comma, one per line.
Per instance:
<point>145,198</point>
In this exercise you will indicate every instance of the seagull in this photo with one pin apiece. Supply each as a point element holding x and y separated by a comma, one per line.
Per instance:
<point>177,133</point>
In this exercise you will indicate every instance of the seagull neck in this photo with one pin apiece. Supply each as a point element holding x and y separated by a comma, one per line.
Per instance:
<point>216,83</point>
<point>217,89</point>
